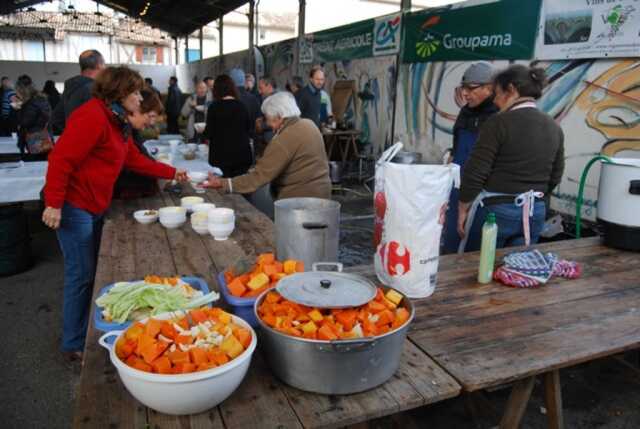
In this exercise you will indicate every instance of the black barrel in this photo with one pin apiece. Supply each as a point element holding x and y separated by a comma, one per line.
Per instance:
<point>15,241</point>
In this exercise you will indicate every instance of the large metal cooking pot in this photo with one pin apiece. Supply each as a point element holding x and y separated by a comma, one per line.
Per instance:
<point>333,367</point>
<point>307,229</point>
<point>619,203</point>
<point>405,157</point>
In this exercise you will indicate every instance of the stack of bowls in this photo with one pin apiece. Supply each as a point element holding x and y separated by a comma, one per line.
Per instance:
<point>222,222</point>
<point>173,217</point>
<point>196,178</point>
<point>200,217</point>
<point>189,202</point>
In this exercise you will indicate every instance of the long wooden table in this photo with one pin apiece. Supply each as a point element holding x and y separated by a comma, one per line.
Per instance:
<point>129,251</point>
<point>490,335</point>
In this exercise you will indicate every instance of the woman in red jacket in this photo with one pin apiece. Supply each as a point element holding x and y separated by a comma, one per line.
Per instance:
<point>83,167</point>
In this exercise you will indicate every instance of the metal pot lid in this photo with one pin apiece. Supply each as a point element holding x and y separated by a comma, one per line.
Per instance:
<point>327,289</point>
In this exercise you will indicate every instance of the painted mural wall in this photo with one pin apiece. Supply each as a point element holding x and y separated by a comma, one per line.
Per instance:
<point>583,97</point>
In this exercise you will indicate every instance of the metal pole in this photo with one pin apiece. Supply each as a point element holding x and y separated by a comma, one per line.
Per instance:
<point>220,33</point>
<point>252,60</point>
<point>186,49</point>
<point>405,7</point>
<point>201,43</point>
<point>175,39</point>
<point>44,51</point>
<point>302,6</point>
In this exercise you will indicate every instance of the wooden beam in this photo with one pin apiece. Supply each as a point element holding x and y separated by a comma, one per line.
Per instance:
<point>553,399</point>
<point>517,404</point>
<point>201,39</point>
<point>220,34</point>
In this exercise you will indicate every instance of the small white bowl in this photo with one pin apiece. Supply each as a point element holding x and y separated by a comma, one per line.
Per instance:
<point>146,217</point>
<point>189,202</point>
<point>172,211</point>
<point>197,176</point>
<point>221,231</point>
<point>221,215</point>
<point>203,208</point>
<point>203,148</point>
<point>173,144</point>
<point>200,126</point>
<point>199,223</point>
<point>172,224</point>
<point>192,146</point>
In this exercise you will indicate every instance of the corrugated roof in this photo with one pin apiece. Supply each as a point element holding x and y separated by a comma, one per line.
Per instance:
<point>124,29</point>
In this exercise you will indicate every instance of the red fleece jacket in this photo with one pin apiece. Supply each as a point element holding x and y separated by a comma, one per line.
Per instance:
<point>88,158</point>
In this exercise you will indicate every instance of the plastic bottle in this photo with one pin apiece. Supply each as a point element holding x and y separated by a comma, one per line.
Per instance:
<point>488,249</point>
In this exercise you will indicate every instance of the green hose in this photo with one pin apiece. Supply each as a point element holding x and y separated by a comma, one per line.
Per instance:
<point>580,201</point>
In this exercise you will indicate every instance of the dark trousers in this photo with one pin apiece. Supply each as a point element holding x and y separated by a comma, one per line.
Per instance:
<point>172,124</point>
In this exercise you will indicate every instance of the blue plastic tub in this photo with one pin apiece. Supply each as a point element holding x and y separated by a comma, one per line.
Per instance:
<point>241,307</point>
<point>103,325</point>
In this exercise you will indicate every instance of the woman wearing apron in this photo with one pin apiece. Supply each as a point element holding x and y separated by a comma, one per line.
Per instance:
<point>518,158</point>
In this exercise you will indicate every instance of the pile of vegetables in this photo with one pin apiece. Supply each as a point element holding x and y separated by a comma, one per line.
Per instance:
<point>206,339</point>
<point>379,316</point>
<point>249,281</point>
<point>128,301</point>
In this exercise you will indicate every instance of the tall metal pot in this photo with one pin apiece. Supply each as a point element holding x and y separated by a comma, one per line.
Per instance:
<point>307,229</point>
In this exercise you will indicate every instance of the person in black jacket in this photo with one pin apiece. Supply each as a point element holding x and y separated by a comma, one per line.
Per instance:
<point>309,97</point>
<point>33,119</point>
<point>476,89</point>
<point>250,101</point>
<point>77,90</point>
<point>228,126</point>
<point>52,93</point>
<point>173,106</point>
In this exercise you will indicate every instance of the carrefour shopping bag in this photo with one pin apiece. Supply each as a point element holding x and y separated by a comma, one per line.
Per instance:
<point>410,204</point>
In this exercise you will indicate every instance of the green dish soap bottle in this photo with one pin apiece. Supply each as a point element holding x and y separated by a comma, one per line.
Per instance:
<point>488,249</point>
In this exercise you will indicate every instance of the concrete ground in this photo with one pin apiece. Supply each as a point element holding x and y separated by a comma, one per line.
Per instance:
<point>38,389</point>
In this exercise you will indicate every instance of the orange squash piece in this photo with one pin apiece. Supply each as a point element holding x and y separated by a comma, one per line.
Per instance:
<point>183,323</point>
<point>243,335</point>
<point>184,339</point>
<point>186,368</point>
<point>347,318</point>
<point>236,287</point>
<point>376,307</point>
<point>270,269</point>
<point>198,315</point>
<point>167,330</point>
<point>152,327</point>
<point>162,365</point>
<point>198,355</point>
<point>272,298</point>
<point>326,333</point>
<point>134,331</point>
<point>178,356</point>
<point>206,366</point>
<point>142,366</point>
<point>266,258</point>
<point>402,315</point>
<point>385,317</point>
<point>299,267</point>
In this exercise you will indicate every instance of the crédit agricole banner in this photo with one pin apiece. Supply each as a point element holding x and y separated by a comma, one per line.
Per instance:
<point>500,30</point>
<point>589,29</point>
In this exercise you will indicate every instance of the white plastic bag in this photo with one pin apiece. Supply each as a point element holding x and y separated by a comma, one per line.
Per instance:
<point>410,203</point>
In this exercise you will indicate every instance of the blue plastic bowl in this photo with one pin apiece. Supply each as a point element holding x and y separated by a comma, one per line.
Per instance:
<point>241,307</point>
<point>103,325</point>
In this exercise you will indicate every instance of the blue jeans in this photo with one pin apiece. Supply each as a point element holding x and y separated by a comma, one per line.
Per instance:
<point>509,221</point>
<point>79,238</point>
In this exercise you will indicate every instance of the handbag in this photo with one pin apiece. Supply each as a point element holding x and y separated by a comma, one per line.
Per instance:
<point>39,141</point>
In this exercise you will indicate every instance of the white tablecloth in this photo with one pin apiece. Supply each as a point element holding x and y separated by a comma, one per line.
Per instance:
<point>8,145</point>
<point>200,163</point>
<point>23,183</point>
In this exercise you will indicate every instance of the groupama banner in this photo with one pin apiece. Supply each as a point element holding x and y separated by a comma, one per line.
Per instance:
<point>504,29</point>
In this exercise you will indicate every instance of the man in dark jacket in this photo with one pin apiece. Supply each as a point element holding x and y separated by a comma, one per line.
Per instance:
<point>173,106</point>
<point>309,97</point>
<point>77,90</point>
<point>477,89</point>
<point>250,101</point>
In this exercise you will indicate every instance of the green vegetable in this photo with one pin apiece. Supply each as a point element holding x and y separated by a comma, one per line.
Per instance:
<point>125,298</point>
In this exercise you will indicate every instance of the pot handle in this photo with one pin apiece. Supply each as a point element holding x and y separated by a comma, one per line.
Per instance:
<point>103,339</point>
<point>337,265</point>
<point>314,225</point>
<point>634,187</point>
<point>347,346</point>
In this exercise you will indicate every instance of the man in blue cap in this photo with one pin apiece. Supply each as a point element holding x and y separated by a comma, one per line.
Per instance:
<point>250,101</point>
<point>477,90</point>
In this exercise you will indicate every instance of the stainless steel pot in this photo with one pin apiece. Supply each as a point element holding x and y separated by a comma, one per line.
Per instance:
<point>333,367</point>
<point>307,229</point>
<point>404,157</point>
